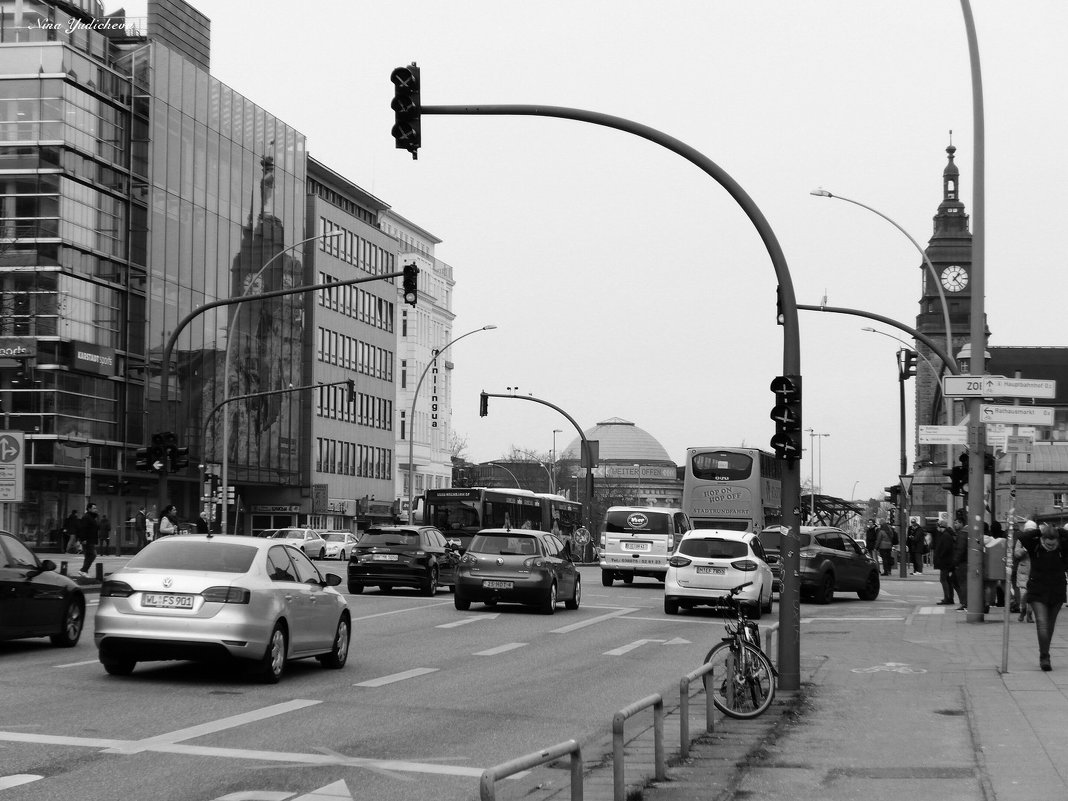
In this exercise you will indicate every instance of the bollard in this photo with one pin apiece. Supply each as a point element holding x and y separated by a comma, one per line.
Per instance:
<point>100,572</point>
<point>63,568</point>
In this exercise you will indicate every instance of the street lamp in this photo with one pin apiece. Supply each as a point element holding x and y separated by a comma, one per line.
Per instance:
<point>505,469</point>
<point>552,477</point>
<point>411,417</point>
<point>250,289</point>
<point>907,345</point>
<point>812,434</point>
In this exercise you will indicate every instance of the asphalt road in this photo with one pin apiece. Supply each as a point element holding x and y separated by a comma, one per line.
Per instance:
<point>430,697</point>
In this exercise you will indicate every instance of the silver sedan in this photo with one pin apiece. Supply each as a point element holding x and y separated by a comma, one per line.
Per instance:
<point>209,598</point>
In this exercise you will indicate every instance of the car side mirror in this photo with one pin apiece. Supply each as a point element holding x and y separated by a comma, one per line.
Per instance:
<point>47,564</point>
<point>332,579</point>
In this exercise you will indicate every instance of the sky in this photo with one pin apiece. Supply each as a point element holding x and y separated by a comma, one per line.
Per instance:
<point>624,281</point>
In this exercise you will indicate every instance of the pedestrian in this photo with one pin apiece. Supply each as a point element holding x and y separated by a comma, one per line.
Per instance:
<point>942,561</point>
<point>960,562</point>
<point>869,538</point>
<point>884,544</point>
<point>141,527</point>
<point>72,527</point>
<point>1047,549</point>
<point>105,536</point>
<point>168,521</point>
<point>993,569</point>
<point>1022,572</point>
<point>915,542</point>
<point>202,524</point>
<point>89,536</point>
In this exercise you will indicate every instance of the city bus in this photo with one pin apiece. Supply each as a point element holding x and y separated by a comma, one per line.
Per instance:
<point>732,488</point>
<point>461,512</point>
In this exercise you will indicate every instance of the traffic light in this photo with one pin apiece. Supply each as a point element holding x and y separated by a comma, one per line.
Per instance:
<point>143,459</point>
<point>179,458</point>
<point>908,364</point>
<point>787,417</point>
<point>893,494</point>
<point>406,108</point>
<point>483,404</point>
<point>411,284</point>
<point>958,477</point>
<point>351,386</point>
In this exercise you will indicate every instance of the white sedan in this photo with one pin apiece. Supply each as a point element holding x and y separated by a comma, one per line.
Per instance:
<point>208,597</point>
<point>339,543</point>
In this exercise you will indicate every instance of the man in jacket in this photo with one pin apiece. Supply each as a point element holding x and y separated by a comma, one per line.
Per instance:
<point>960,562</point>
<point>943,561</point>
<point>884,544</point>
<point>914,541</point>
<point>89,535</point>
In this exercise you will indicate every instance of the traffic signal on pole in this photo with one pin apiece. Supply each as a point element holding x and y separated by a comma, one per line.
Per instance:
<point>893,494</point>
<point>411,284</point>
<point>958,477</point>
<point>407,109</point>
<point>351,386</point>
<point>908,364</point>
<point>143,459</point>
<point>483,404</point>
<point>179,458</point>
<point>787,416</point>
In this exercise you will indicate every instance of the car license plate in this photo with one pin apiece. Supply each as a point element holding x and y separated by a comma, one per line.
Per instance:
<point>635,546</point>
<point>496,585</point>
<point>384,557</point>
<point>715,571</point>
<point>167,601</point>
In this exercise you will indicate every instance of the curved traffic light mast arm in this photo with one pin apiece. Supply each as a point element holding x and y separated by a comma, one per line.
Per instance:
<point>951,365</point>
<point>585,447</point>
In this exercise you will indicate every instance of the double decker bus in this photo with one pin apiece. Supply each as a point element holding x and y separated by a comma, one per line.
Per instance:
<point>739,489</point>
<point>461,512</point>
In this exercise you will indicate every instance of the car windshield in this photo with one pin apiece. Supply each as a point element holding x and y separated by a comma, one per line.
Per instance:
<point>771,539</point>
<point>505,544</point>
<point>372,537</point>
<point>709,548</point>
<point>177,553</point>
<point>620,522</point>
<point>337,537</point>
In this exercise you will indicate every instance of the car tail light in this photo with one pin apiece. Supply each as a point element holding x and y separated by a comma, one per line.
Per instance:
<point>227,595</point>
<point>679,561</point>
<point>468,559</point>
<point>744,564</point>
<point>533,562</point>
<point>116,589</point>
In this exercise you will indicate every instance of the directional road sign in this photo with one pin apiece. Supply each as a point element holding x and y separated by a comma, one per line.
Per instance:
<point>964,386</point>
<point>943,435</point>
<point>12,463</point>
<point>1022,415</point>
<point>996,387</point>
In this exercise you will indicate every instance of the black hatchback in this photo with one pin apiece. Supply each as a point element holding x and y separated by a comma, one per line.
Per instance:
<point>403,556</point>
<point>35,600</point>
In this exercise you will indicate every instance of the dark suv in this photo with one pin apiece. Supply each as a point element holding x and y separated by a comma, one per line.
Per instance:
<point>830,561</point>
<point>403,556</point>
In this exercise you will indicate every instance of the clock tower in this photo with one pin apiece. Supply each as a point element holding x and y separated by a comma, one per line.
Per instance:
<point>950,254</point>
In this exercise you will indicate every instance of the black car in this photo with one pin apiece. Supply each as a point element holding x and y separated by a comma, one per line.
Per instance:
<point>402,556</point>
<point>830,562</point>
<point>35,600</point>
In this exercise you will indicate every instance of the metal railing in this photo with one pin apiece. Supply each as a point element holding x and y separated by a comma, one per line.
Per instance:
<point>656,701</point>
<point>487,789</point>
<point>684,706</point>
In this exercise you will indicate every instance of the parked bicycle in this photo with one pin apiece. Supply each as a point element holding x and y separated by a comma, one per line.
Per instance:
<point>743,678</point>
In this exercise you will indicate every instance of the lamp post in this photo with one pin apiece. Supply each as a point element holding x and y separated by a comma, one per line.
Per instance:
<point>509,472</point>
<point>411,417</point>
<point>907,345</point>
<point>251,288</point>
<point>821,461</point>
<point>552,476</point>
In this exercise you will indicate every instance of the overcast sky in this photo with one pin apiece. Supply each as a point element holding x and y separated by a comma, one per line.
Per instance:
<point>627,283</point>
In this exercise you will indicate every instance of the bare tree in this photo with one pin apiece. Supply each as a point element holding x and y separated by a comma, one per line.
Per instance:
<point>457,447</point>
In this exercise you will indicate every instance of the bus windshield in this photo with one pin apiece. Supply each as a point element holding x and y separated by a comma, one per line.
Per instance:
<point>738,489</point>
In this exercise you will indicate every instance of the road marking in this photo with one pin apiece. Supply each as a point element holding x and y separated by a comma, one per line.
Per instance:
<point>618,612</point>
<point>466,620</point>
<point>78,664</point>
<point>848,619</point>
<point>401,611</point>
<point>500,649</point>
<point>213,726</point>
<point>627,648</point>
<point>330,792</point>
<point>16,779</point>
<point>407,674</point>
<point>933,610</point>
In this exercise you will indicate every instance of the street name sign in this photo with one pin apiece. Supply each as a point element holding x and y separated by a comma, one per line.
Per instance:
<point>943,435</point>
<point>965,386</point>
<point>1022,415</point>
<point>996,386</point>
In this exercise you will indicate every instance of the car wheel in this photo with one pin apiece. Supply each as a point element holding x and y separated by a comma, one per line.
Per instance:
<point>385,588</point>
<point>824,594</point>
<point>463,604</point>
<point>671,606</point>
<point>322,553</point>
<point>767,607</point>
<point>73,622</point>
<point>118,667</point>
<point>430,586</point>
<point>491,602</point>
<point>871,587</point>
<point>340,653</point>
<point>274,658</point>
<point>577,597</point>
<point>341,556</point>
<point>606,578</point>
<point>628,579</point>
<point>355,589</point>
<point>548,606</point>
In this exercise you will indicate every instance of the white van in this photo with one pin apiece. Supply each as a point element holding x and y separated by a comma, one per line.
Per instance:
<point>638,541</point>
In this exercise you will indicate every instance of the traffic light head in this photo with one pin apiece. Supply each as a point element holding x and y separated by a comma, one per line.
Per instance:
<point>787,417</point>
<point>483,404</point>
<point>143,459</point>
<point>407,109</point>
<point>411,284</point>
<point>908,364</point>
<point>179,458</point>
<point>893,494</point>
<point>351,386</point>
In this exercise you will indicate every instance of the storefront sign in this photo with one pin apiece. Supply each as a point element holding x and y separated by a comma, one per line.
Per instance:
<point>93,359</point>
<point>18,347</point>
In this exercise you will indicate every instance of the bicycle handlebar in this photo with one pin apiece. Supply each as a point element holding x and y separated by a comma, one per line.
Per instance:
<point>739,588</point>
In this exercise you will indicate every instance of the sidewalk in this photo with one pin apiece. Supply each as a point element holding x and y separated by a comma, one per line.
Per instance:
<point>102,566</point>
<point>915,708</point>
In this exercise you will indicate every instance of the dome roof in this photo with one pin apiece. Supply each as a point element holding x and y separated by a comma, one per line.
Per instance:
<point>620,441</point>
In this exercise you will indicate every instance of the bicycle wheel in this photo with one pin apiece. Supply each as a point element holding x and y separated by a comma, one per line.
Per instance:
<point>742,682</point>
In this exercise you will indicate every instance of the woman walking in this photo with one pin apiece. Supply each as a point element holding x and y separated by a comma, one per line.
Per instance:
<point>1046,584</point>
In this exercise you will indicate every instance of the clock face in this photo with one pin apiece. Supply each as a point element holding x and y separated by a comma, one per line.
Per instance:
<point>954,278</point>
<point>252,284</point>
